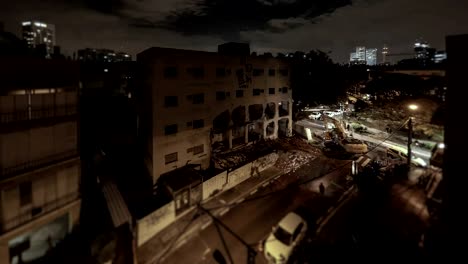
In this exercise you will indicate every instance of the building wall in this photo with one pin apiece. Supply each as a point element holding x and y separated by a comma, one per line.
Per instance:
<point>54,192</point>
<point>183,84</point>
<point>51,188</point>
<point>153,223</point>
<point>40,169</point>
<point>37,145</point>
<point>215,184</point>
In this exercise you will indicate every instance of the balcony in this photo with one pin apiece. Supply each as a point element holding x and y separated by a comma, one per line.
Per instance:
<point>6,172</point>
<point>36,212</point>
<point>37,114</point>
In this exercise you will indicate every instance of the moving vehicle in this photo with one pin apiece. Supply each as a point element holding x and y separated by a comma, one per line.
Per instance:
<point>396,152</point>
<point>284,238</point>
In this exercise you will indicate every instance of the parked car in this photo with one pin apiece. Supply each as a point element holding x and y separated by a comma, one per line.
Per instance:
<point>284,238</point>
<point>402,153</point>
<point>332,113</point>
<point>315,115</point>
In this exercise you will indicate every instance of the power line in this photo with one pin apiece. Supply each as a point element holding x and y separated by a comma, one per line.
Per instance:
<point>173,241</point>
<point>296,184</point>
<point>251,253</point>
<point>228,252</point>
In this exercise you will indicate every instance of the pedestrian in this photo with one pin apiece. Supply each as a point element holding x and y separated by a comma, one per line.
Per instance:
<point>322,189</point>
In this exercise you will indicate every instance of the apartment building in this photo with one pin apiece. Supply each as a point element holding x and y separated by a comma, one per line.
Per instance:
<point>39,162</point>
<point>194,102</point>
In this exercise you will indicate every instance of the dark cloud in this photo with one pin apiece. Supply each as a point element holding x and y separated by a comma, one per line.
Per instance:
<point>268,25</point>
<point>210,17</point>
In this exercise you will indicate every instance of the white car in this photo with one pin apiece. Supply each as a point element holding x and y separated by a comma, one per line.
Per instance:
<point>284,237</point>
<point>315,115</point>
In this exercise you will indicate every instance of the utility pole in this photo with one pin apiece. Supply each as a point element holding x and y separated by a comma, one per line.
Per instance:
<point>410,139</point>
<point>251,253</point>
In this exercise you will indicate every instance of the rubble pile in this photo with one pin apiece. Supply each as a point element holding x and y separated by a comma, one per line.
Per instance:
<point>290,161</point>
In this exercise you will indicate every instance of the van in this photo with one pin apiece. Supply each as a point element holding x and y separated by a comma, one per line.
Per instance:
<point>395,152</point>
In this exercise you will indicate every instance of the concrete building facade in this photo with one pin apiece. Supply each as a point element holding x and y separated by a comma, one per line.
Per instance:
<point>39,161</point>
<point>195,102</point>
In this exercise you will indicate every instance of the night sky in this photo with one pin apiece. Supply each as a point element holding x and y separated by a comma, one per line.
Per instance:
<point>269,25</point>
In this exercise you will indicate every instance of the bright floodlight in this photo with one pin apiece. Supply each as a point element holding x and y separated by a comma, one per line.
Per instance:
<point>413,107</point>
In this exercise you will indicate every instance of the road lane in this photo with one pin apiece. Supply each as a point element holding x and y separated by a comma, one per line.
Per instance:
<point>254,218</point>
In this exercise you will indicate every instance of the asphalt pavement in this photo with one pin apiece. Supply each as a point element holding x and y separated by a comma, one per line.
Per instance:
<point>253,218</point>
<point>388,226</point>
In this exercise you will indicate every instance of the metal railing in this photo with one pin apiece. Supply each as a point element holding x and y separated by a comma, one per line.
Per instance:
<point>37,211</point>
<point>37,114</point>
<point>6,172</point>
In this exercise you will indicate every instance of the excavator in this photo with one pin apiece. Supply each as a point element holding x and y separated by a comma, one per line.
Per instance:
<point>335,132</point>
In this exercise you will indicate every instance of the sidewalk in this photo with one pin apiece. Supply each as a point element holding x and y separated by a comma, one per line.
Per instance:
<point>183,228</point>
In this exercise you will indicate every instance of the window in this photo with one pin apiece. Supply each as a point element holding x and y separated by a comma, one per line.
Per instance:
<point>220,96</point>
<point>25,190</point>
<point>196,72</point>
<point>169,158</point>
<point>198,123</point>
<point>297,231</point>
<point>171,101</point>
<point>271,72</point>
<point>271,90</point>
<point>282,235</point>
<point>198,149</point>
<point>285,89</point>
<point>197,98</point>
<point>258,72</point>
<point>170,72</point>
<point>256,92</point>
<point>284,72</point>
<point>170,129</point>
<point>239,93</point>
<point>220,72</point>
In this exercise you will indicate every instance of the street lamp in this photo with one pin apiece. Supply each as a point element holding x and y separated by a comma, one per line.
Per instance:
<point>412,107</point>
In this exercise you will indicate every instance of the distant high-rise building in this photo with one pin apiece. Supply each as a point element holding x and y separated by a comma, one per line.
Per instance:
<point>359,56</point>
<point>102,55</point>
<point>440,56</point>
<point>384,54</point>
<point>36,33</point>
<point>371,56</point>
<point>423,52</point>
<point>420,49</point>
<point>361,53</point>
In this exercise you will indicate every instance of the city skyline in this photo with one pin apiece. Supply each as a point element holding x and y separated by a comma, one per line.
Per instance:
<point>133,27</point>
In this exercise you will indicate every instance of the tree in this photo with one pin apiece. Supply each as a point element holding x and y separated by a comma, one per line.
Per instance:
<point>316,79</point>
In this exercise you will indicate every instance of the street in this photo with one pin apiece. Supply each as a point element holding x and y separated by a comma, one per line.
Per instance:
<point>254,218</point>
<point>388,225</point>
<point>420,152</point>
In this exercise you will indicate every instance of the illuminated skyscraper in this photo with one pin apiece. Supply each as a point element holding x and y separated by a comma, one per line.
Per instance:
<point>358,57</point>
<point>361,53</point>
<point>371,56</point>
<point>38,33</point>
<point>384,54</point>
